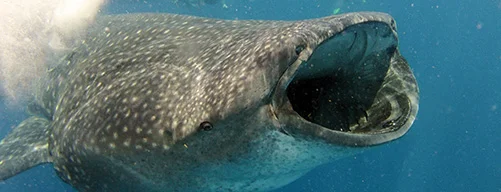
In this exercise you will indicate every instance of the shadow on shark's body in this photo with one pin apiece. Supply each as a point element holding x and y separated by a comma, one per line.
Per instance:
<point>160,102</point>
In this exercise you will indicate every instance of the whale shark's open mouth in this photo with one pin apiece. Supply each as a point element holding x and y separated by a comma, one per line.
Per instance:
<point>344,91</point>
<point>339,82</point>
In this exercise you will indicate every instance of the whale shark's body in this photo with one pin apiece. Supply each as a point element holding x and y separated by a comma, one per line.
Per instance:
<point>161,102</point>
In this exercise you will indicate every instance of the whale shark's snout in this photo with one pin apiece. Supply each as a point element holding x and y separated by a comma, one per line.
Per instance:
<point>354,88</point>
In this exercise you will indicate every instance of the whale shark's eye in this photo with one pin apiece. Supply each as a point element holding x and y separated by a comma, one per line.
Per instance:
<point>299,49</point>
<point>206,126</point>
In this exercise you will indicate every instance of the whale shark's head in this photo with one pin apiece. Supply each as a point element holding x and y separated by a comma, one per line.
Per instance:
<point>258,103</point>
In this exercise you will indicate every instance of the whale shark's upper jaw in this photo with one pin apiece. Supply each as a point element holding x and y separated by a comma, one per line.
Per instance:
<point>354,89</point>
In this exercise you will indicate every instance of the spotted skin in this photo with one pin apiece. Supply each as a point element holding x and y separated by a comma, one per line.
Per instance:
<point>27,143</point>
<point>128,109</point>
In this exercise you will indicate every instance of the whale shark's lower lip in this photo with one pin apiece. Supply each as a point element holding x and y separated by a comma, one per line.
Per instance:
<point>344,90</point>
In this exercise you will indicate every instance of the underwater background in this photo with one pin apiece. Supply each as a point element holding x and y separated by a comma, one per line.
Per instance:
<point>454,49</point>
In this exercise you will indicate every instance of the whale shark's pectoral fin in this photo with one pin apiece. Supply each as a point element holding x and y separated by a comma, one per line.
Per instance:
<point>25,147</point>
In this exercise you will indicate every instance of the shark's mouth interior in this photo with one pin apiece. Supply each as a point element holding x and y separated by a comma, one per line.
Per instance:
<point>337,86</point>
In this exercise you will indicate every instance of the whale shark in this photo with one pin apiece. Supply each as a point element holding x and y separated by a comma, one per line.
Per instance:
<point>165,102</point>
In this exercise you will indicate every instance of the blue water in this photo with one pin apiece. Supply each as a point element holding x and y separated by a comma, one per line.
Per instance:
<point>454,48</point>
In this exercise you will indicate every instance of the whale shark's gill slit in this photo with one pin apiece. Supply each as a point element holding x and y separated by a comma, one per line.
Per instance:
<point>338,84</point>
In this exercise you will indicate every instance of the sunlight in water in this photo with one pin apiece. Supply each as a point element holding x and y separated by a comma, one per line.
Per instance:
<point>32,30</point>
